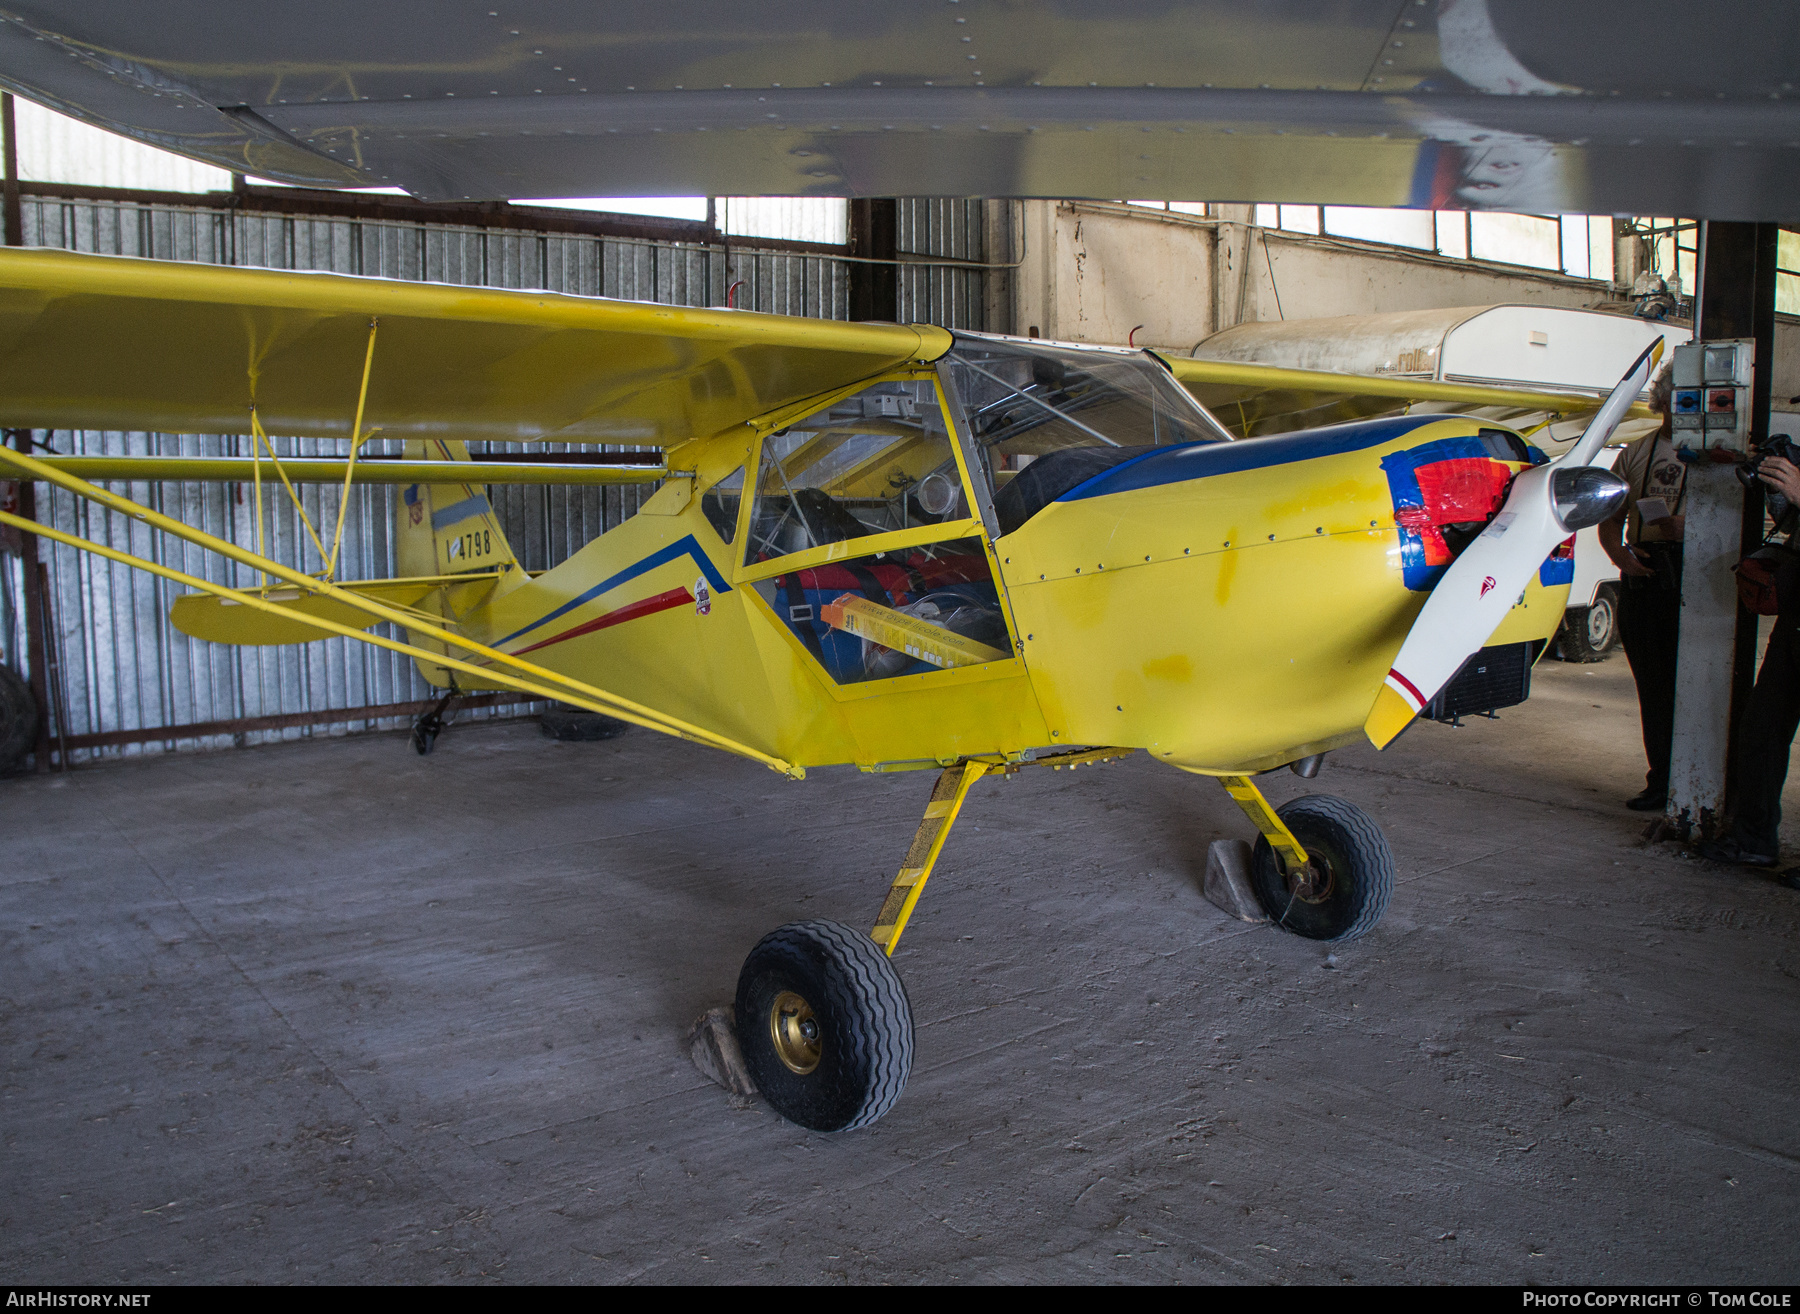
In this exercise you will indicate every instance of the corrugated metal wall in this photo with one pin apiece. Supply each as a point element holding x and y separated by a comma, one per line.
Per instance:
<point>123,667</point>
<point>938,294</point>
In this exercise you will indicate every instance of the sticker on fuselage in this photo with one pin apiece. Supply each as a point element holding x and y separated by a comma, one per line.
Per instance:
<point>702,598</point>
<point>1453,481</point>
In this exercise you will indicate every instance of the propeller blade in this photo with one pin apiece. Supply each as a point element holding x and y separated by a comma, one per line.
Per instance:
<point>1613,409</point>
<point>1547,504</point>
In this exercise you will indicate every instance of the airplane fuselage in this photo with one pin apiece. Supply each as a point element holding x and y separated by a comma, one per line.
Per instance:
<point>1225,606</point>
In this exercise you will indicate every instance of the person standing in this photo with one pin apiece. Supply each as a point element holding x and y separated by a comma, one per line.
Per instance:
<point>1644,541</point>
<point>1766,733</point>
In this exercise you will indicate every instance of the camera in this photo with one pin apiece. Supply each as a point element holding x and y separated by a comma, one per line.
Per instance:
<point>1776,444</point>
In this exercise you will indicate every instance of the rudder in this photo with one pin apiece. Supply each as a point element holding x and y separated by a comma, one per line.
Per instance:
<point>449,529</point>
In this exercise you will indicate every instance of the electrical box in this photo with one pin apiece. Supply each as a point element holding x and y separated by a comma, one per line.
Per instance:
<point>1711,402</point>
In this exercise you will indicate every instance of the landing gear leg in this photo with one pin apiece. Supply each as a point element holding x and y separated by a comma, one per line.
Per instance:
<point>429,726</point>
<point>947,797</point>
<point>1321,868</point>
<point>822,1017</point>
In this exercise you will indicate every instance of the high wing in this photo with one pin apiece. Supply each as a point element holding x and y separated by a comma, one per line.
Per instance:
<point>1254,400</point>
<point>1522,105</point>
<point>106,342</point>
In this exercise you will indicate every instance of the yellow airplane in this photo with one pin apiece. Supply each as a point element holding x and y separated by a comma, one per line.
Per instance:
<point>893,546</point>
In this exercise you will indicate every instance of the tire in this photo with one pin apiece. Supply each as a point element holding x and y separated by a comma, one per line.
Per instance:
<point>853,1065</point>
<point>1589,634</point>
<point>18,721</point>
<point>1357,868</point>
<point>572,725</point>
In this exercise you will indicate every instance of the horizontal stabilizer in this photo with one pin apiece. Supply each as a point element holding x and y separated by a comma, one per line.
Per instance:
<point>221,620</point>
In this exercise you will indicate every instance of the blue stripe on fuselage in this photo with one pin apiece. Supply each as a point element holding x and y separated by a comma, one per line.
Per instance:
<point>1173,465</point>
<point>685,547</point>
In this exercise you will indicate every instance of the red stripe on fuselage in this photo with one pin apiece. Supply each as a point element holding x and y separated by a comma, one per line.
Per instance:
<point>648,607</point>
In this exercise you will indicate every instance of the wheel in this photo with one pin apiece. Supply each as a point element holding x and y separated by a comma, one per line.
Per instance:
<point>18,720</point>
<point>825,1026</point>
<point>1589,633</point>
<point>573,725</point>
<point>1344,889</point>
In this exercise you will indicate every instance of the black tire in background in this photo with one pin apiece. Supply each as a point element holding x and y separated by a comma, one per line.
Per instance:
<point>18,720</point>
<point>576,726</point>
<point>1589,634</point>
<point>1351,878</point>
<point>824,1025</point>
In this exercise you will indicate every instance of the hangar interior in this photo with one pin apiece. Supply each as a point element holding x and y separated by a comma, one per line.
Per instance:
<point>285,1000</point>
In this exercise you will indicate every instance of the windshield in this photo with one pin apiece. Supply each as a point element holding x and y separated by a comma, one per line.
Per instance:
<point>1044,419</point>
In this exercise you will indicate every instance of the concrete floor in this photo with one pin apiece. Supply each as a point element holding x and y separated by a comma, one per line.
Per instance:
<point>334,1012</point>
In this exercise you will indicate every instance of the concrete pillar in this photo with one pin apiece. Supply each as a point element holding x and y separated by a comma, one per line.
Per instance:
<point>1717,654</point>
<point>1034,281</point>
<point>1234,299</point>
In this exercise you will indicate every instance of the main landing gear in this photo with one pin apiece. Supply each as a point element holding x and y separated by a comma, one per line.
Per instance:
<point>823,1019</point>
<point>1321,867</point>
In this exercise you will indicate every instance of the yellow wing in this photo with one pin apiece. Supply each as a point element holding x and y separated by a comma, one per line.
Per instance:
<point>107,342</point>
<point>1252,400</point>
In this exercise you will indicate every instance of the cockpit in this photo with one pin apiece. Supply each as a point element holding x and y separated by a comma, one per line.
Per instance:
<point>879,468</point>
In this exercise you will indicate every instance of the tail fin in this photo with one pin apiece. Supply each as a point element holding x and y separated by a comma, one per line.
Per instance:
<point>449,529</point>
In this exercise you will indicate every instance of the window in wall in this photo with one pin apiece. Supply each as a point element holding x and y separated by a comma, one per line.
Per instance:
<point>1576,244</point>
<point>1787,273</point>
<point>786,218</point>
<point>1452,233</point>
<point>1675,252</point>
<point>1602,245</point>
<point>1179,207</point>
<point>1516,239</point>
<point>1414,228</point>
<point>1674,248</point>
<point>1687,255</point>
<point>656,207</point>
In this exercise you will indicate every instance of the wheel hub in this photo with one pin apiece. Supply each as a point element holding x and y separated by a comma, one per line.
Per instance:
<point>795,1032</point>
<point>1312,883</point>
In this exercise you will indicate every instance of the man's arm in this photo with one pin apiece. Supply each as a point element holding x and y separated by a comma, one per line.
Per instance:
<point>1612,541</point>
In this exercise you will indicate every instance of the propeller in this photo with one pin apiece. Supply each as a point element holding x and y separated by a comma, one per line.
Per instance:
<point>1547,504</point>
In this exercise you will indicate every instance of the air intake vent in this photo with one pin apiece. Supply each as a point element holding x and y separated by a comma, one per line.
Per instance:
<point>1493,678</point>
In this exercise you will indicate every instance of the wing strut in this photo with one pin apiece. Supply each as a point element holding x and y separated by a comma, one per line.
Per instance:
<point>526,677</point>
